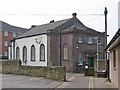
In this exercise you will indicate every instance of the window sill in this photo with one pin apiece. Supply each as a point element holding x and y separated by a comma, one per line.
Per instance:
<point>42,60</point>
<point>33,60</point>
<point>80,43</point>
<point>66,60</point>
<point>95,44</point>
<point>90,43</point>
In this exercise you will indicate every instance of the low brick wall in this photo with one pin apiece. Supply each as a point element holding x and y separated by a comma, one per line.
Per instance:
<point>54,72</point>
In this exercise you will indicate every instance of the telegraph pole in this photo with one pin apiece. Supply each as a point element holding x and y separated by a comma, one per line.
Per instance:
<point>105,13</point>
<point>106,61</point>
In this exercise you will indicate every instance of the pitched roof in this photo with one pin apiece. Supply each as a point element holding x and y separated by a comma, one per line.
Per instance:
<point>55,27</point>
<point>6,27</point>
<point>113,39</point>
<point>43,28</point>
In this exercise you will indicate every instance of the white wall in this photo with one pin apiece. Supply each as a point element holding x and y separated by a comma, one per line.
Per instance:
<point>28,42</point>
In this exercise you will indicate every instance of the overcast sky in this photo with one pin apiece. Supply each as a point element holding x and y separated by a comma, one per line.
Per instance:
<point>24,13</point>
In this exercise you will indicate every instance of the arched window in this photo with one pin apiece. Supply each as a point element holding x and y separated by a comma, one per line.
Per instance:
<point>65,52</point>
<point>17,53</point>
<point>32,53</point>
<point>24,53</point>
<point>42,52</point>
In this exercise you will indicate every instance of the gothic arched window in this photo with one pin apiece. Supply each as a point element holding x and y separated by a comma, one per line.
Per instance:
<point>32,53</point>
<point>42,52</point>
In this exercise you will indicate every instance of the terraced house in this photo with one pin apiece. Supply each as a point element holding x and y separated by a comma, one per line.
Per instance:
<point>66,42</point>
<point>8,32</point>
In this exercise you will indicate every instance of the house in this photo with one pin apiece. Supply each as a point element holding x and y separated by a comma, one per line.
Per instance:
<point>66,42</point>
<point>7,32</point>
<point>114,59</point>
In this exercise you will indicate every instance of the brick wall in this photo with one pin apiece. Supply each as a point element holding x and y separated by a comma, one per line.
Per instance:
<point>54,72</point>
<point>0,42</point>
<point>6,38</point>
<point>71,41</point>
<point>86,49</point>
<point>67,39</point>
<point>54,49</point>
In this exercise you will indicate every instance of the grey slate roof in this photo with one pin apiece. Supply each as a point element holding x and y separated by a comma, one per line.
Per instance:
<point>6,27</point>
<point>43,28</point>
<point>55,26</point>
<point>86,31</point>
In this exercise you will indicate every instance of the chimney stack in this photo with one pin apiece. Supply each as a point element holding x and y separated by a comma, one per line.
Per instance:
<point>74,14</point>
<point>33,26</point>
<point>52,21</point>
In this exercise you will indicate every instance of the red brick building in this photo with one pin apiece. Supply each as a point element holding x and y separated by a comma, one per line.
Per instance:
<point>77,45</point>
<point>7,33</point>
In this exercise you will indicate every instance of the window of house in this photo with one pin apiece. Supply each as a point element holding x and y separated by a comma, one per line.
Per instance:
<point>10,52</point>
<point>80,39</point>
<point>17,53</point>
<point>32,53</point>
<point>5,53</point>
<point>14,34</point>
<point>65,52</point>
<point>80,59</point>
<point>5,33</point>
<point>42,52</point>
<point>114,58</point>
<point>24,53</point>
<point>6,43</point>
<point>99,41</point>
<point>90,40</point>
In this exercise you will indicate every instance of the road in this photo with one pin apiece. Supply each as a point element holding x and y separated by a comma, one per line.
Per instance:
<point>73,81</point>
<point>80,81</point>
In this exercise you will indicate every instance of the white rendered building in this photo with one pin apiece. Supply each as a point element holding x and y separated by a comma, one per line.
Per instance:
<point>32,51</point>
<point>31,47</point>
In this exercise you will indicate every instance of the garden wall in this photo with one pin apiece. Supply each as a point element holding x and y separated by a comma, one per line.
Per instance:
<point>54,72</point>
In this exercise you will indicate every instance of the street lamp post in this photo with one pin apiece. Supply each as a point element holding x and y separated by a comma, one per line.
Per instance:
<point>96,38</point>
<point>97,56</point>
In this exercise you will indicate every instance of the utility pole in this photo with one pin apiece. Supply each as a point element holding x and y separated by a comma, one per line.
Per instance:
<point>105,13</point>
<point>60,48</point>
<point>106,61</point>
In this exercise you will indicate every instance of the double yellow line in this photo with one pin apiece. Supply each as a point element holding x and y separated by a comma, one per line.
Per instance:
<point>91,83</point>
<point>67,83</point>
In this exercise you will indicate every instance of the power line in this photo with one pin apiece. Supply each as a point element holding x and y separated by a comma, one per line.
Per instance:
<point>50,14</point>
<point>95,18</point>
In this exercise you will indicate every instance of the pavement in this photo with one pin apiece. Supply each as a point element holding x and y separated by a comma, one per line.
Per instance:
<point>73,81</point>
<point>81,81</point>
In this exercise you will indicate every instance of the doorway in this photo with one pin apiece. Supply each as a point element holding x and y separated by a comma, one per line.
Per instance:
<point>90,62</point>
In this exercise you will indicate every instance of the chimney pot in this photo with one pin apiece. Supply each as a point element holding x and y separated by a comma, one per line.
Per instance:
<point>74,14</point>
<point>33,26</point>
<point>52,21</point>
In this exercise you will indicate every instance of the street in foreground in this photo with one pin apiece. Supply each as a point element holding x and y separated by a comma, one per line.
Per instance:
<point>73,81</point>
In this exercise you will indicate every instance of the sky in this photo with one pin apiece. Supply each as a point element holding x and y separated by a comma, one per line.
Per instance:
<point>24,13</point>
